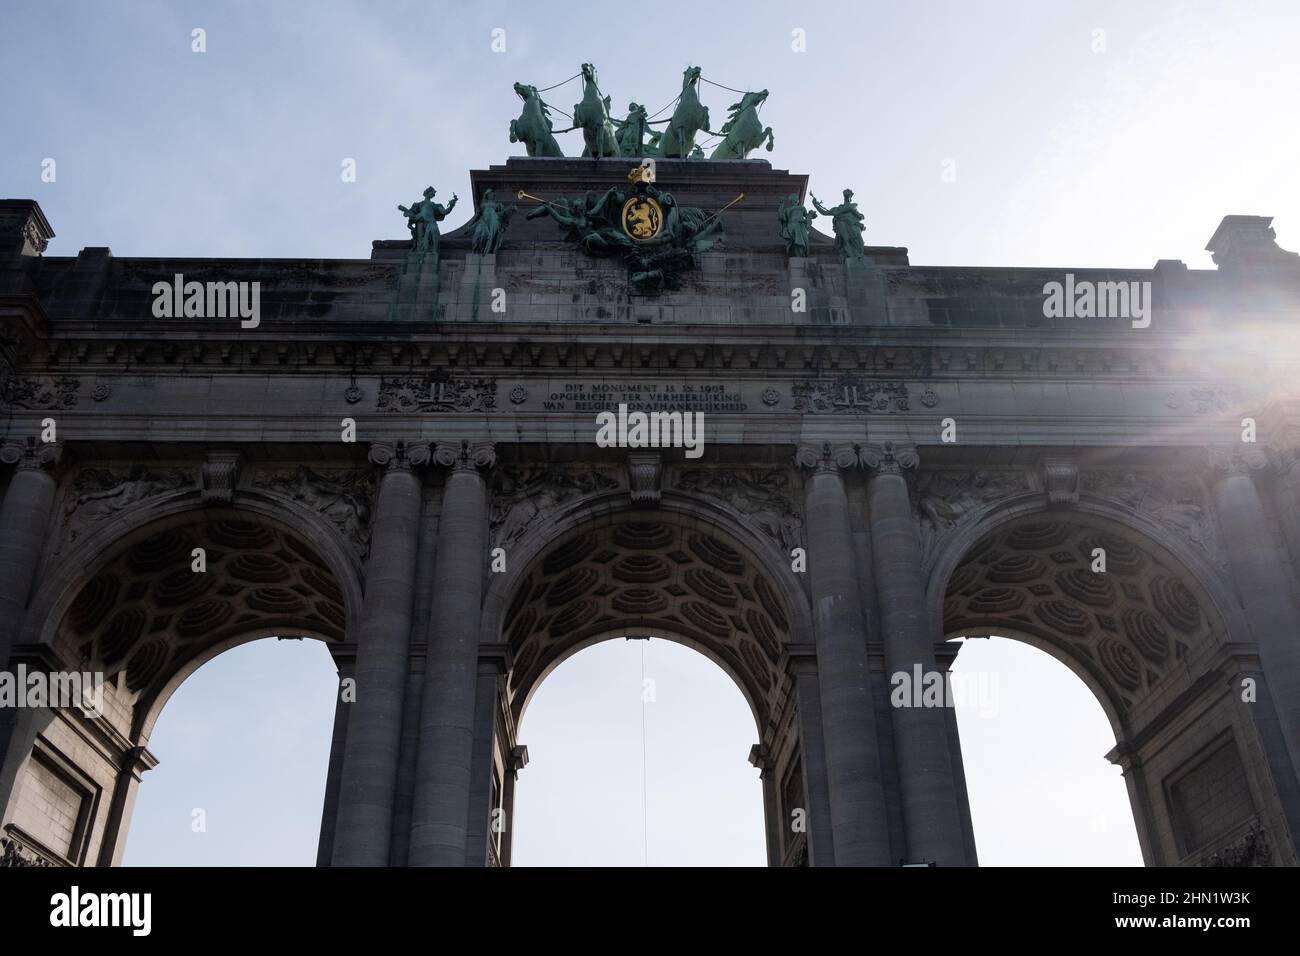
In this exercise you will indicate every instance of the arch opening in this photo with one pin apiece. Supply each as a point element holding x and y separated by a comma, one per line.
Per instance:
<point>243,747</point>
<point>659,574</point>
<point>172,595</point>
<point>638,757</point>
<point>1143,631</point>
<point>1041,791</point>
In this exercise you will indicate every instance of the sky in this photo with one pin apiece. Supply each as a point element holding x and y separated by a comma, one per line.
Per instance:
<point>1098,134</point>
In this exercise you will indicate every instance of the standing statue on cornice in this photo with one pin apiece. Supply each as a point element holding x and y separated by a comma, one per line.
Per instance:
<point>489,225</point>
<point>423,218</point>
<point>847,222</point>
<point>796,221</point>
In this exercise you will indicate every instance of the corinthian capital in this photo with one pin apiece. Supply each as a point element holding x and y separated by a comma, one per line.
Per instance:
<point>465,455</point>
<point>29,453</point>
<point>889,458</point>
<point>399,455</point>
<point>1237,459</point>
<point>826,458</point>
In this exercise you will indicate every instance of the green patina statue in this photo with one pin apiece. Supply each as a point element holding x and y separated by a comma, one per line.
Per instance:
<point>848,226</point>
<point>489,225</point>
<point>796,221</point>
<point>592,115</point>
<point>604,137</point>
<point>423,218</point>
<point>632,132</point>
<point>688,118</point>
<point>605,225</point>
<point>744,131</point>
<point>533,128</point>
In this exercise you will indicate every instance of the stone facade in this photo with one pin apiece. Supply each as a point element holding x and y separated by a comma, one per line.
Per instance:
<point>946,458</point>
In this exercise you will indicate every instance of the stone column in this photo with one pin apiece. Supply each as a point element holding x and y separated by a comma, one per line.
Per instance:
<point>446,744</point>
<point>112,847</point>
<point>944,657</point>
<point>931,818</point>
<point>518,760</point>
<point>857,801</point>
<point>1258,568</point>
<point>493,664</point>
<point>762,761</point>
<point>24,522</point>
<point>363,826</point>
<point>801,664</point>
<point>329,814</point>
<point>1130,762</point>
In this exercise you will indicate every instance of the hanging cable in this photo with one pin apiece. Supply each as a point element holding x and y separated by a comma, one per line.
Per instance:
<point>561,83</point>
<point>671,102</point>
<point>645,813</point>
<point>727,88</point>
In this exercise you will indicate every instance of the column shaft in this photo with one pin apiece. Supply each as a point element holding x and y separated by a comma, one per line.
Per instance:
<point>857,801</point>
<point>442,779</point>
<point>812,750</point>
<point>931,818</point>
<point>1266,596</point>
<point>24,518</point>
<point>366,793</point>
<point>479,821</point>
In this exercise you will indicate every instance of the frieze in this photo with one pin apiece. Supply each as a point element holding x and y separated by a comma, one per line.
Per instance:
<point>1250,849</point>
<point>343,496</point>
<point>855,394</point>
<point>1206,400</point>
<point>39,393</point>
<point>97,493</point>
<point>523,493</point>
<point>946,499</point>
<point>1170,500</point>
<point>436,392</point>
<point>761,494</point>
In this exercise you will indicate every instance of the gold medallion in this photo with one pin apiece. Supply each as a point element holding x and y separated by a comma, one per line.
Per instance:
<point>643,218</point>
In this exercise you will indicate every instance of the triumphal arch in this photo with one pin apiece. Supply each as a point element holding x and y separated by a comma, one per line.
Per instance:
<point>640,392</point>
